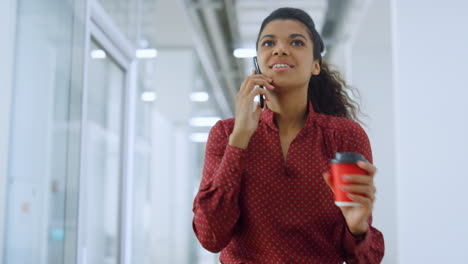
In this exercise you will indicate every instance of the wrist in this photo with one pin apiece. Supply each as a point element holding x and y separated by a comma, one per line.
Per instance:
<point>359,230</point>
<point>239,140</point>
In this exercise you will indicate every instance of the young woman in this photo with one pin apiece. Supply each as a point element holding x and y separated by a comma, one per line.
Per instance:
<point>264,196</point>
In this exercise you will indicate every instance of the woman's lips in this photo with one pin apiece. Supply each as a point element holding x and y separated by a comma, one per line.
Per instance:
<point>281,69</point>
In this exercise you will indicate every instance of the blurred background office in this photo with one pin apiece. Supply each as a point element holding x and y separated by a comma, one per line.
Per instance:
<point>105,108</point>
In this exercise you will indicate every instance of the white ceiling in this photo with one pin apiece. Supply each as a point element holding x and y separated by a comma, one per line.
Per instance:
<point>250,14</point>
<point>156,23</point>
<point>216,27</point>
<point>170,27</point>
<point>164,24</point>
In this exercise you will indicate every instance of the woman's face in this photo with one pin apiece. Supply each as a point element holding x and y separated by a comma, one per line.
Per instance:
<point>285,53</point>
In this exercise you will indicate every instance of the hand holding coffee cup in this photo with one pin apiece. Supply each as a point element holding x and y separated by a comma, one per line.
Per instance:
<point>344,164</point>
<point>352,181</point>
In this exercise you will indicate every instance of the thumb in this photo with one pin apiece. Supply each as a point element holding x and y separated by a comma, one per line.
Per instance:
<point>327,178</point>
<point>257,111</point>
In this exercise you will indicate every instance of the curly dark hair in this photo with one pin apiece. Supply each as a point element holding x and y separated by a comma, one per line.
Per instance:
<point>327,91</point>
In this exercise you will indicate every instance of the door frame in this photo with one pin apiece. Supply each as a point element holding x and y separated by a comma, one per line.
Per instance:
<point>101,28</point>
<point>7,53</point>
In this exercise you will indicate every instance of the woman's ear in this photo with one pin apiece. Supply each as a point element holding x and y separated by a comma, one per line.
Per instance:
<point>316,68</point>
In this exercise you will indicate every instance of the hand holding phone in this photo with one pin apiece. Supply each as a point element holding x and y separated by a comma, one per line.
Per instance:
<point>257,70</point>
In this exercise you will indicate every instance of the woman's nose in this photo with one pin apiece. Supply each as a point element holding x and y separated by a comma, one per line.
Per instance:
<point>280,49</point>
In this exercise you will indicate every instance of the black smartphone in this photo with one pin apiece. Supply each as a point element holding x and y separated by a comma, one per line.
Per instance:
<point>257,70</point>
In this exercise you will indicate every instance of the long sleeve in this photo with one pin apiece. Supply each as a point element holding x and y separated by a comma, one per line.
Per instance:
<point>366,249</point>
<point>369,248</point>
<point>216,206</point>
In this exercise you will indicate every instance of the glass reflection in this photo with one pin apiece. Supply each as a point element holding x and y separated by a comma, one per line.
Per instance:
<point>102,173</point>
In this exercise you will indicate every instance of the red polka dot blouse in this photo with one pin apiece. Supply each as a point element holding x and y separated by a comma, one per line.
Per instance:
<point>255,206</point>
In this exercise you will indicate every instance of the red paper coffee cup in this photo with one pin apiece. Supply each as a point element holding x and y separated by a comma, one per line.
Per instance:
<point>345,164</point>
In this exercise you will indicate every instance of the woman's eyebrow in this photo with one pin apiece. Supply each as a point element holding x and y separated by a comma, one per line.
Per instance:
<point>268,36</point>
<point>294,35</point>
<point>297,35</point>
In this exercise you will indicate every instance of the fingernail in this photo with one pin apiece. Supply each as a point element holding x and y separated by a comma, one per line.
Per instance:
<point>346,177</point>
<point>270,79</point>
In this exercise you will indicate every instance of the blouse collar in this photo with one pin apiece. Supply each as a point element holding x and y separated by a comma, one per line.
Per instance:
<point>267,116</point>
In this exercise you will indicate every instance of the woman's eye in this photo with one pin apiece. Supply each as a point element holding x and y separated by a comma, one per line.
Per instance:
<point>267,43</point>
<point>297,43</point>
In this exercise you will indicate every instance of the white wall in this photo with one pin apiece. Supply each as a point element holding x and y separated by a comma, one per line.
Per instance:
<point>412,90</point>
<point>431,92</point>
<point>371,73</point>
<point>161,186</point>
<point>172,177</point>
<point>7,31</point>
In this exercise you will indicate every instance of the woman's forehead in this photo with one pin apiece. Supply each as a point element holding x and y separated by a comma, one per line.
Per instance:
<point>285,27</point>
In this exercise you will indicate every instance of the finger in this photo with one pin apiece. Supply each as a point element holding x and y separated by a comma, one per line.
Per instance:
<point>366,190</point>
<point>256,91</point>
<point>243,86</point>
<point>327,178</point>
<point>247,84</point>
<point>361,200</point>
<point>258,81</point>
<point>358,179</point>
<point>261,76</point>
<point>371,169</point>
<point>258,110</point>
<point>250,83</point>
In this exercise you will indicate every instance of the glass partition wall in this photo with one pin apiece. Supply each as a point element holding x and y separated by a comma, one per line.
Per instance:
<point>101,194</point>
<point>42,162</point>
<point>104,158</point>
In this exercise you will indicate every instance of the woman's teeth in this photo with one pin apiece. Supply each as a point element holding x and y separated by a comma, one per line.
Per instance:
<point>280,66</point>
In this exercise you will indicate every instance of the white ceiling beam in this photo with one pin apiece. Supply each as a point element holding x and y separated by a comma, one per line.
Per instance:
<point>206,57</point>
<point>251,14</point>
<point>267,4</point>
<point>225,62</point>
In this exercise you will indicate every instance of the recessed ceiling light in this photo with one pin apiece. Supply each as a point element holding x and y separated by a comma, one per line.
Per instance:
<point>244,53</point>
<point>199,96</point>
<point>146,53</point>
<point>98,54</point>
<point>199,137</point>
<point>148,96</point>
<point>204,121</point>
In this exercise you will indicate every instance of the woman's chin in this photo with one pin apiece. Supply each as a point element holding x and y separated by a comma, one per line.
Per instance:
<point>283,84</point>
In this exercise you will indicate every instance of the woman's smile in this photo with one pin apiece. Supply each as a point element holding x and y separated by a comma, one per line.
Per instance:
<point>281,67</point>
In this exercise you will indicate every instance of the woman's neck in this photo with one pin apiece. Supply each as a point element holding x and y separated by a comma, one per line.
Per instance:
<point>290,110</point>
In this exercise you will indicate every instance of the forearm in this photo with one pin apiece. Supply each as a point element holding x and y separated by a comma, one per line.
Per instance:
<point>216,213</point>
<point>216,205</point>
